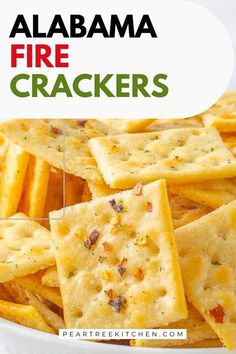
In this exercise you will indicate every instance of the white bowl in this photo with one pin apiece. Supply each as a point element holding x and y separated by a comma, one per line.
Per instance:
<point>16,339</point>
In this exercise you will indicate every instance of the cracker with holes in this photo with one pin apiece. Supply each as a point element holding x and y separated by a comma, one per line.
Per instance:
<point>197,331</point>
<point>207,249</point>
<point>117,261</point>
<point>46,140</point>
<point>128,125</point>
<point>210,193</point>
<point>34,194</point>
<point>12,179</point>
<point>179,155</point>
<point>25,247</point>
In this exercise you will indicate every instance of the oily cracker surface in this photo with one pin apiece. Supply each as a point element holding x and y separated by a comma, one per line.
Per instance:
<point>101,189</point>
<point>223,121</point>
<point>45,139</point>
<point>12,178</point>
<point>128,125</point>
<point>4,143</point>
<point>25,247</point>
<point>33,283</point>
<point>56,195</point>
<point>50,277</point>
<point>197,331</point>
<point>222,115</point>
<point>130,277</point>
<point>230,141</point>
<point>164,124</point>
<point>26,297</point>
<point>73,189</point>
<point>207,249</point>
<point>179,155</point>
<point>35,188</point>
<point>25,315</point>
<point>210,193</point>
<point>184,210</point>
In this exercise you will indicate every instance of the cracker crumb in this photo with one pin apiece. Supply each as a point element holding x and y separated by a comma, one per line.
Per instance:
<point>137,190</point>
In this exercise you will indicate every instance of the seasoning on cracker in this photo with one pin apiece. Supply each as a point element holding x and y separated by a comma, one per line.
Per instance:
<point>93,237</point>
<point>117,207</point>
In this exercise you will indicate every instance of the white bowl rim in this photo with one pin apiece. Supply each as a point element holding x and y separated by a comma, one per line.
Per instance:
<point>113,348</point>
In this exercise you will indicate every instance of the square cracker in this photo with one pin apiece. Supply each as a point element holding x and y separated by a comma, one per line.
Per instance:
<point>25,248</point>
<point>44,138</point>
<point>207,249</point>
<point>210,193</point>
<point>130,277</point>
<point>179,155</point>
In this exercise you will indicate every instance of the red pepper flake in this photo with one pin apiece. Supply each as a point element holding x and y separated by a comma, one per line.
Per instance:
<point>117,303</point>
<point>56,130</point>
<point>118,208</point>
<point>123,261</point>
<point>149,207</point>
<point>120,268</point>
<point>93,237</point>
<point>138,188</point>
<point>109,293</point>
<point>218,314</point>
<point>107,246</point>
<point>81,122</point>
<point>138,273</point>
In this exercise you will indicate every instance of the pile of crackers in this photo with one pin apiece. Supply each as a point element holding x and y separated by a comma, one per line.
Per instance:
<point>121,224</point>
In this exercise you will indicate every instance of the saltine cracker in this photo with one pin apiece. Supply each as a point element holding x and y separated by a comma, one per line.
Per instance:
<point>117,261</point>
<point>178,155</point>
<point>208,261</point>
